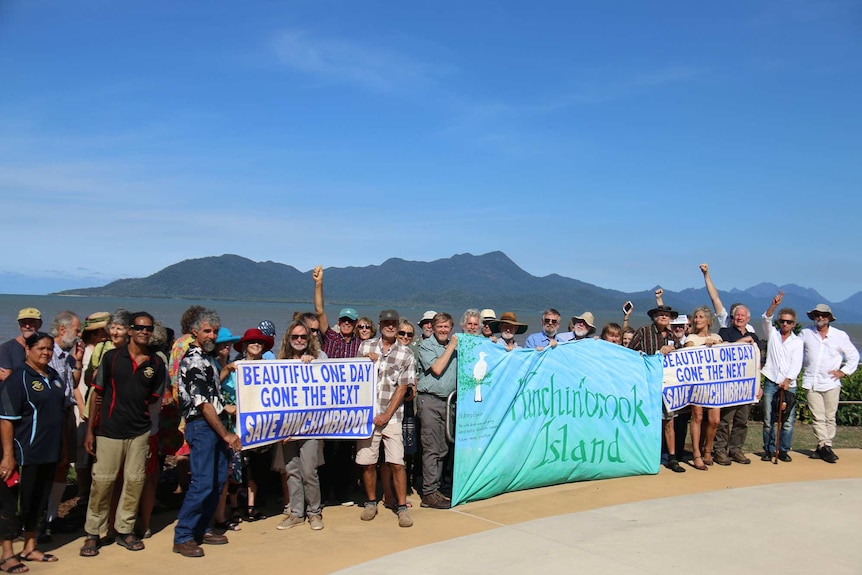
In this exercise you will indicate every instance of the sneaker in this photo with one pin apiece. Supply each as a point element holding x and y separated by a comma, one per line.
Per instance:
<point>404,518</point>
<point>435,500</point>
<point>828,448</point>
<point>316,521</point>
<point>291,521</point>
<point>826,454</point>
<point>674,466</point>
<point>721,458</point>
<point>739,457</point>
<point>784,456</point>
<point>369,512</point>
<point>766,456</point>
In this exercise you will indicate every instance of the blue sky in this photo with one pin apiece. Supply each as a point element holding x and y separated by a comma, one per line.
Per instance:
<point>619,143</point>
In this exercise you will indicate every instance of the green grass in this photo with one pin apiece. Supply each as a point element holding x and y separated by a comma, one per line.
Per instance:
<point>803,437</point>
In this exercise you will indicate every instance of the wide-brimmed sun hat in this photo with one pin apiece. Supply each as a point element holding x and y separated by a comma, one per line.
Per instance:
<point>587,318</point>
<point>821,308</point>
<point>225,336</point>
<point>254,334</point>
<point>96,320</point>
<point>508,317</point>
<point>663,308</point>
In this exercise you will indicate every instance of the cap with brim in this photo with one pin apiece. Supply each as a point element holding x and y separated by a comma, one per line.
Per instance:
<point>682,319</point>
<point>252,335</point>
<point>508,317</point>
<point>427,316</point>
<point>663,308</point>
<point>488,315</point>
<point>29,313</point>
<point>587,318</point>
<point>97,320</point>
<point>349,313</point>
<point>225,336</point>
<point>389,315</point>
<point>267,327</point>
<point>821,308</point>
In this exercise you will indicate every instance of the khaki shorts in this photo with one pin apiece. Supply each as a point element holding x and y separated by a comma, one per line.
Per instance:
<point>368,450</point>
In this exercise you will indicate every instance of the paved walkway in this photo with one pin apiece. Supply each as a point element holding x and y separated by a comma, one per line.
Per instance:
<point>797,517</point>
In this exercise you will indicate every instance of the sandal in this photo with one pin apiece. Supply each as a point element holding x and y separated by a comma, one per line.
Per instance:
<point>45,558</point>
<point>707,459</point>
<point>254,514</point>
<point>91,546</point>
<point>702,466</point>
<point>19,568</point>
<point>229,525</point>
<point>130,541</point>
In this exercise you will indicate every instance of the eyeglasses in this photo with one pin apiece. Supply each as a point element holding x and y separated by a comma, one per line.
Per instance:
<point>142,328</point>
<point>363,326</point>
<point>551,321</point>
<point>405,333</point>
<point>296,336</point>
<point>787,321</point>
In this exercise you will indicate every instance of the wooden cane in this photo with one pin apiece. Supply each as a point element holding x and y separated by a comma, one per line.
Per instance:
<point>778,422</point>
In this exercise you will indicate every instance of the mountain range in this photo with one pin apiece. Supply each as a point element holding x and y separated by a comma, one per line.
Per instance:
<point>463,280</point>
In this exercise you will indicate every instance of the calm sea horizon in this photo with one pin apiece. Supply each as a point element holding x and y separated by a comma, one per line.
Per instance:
<point>240,315</point>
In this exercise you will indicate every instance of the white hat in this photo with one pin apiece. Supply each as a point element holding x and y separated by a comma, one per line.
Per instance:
<point>427,316</point>
<point>681,319</point>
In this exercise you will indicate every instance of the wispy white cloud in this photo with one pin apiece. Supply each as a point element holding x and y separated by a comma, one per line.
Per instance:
<point>349,62</point>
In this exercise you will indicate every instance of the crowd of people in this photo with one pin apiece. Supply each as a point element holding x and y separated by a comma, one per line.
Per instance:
<point>117,394</point>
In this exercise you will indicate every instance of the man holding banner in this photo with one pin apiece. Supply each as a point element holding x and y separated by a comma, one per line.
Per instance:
<point>658,338</point>
<point>396,373</point>
<point>730,437</point>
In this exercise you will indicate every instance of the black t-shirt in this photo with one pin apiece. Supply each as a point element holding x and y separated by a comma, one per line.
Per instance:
<point>12,355</point>
<point>730,334</point>
<point>128,391</point>
<point>34,404</point>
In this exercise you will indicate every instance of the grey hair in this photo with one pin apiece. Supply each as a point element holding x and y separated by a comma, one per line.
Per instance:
<point>65,319</point>
<point>710,317</point>
<point>206,315</point>
<point>160,335</point>
<point>121,317</point>
<point>472,312</point>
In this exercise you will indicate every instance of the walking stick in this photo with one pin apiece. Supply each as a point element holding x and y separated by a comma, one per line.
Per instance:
<point>778,421</point>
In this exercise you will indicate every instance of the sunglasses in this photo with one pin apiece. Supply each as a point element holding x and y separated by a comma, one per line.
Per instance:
<point>816,315</point>
<point>142,328</point>
<point>363,326</point>
<point>346,320</point>
<point>296,336</point>
<point>787,321</point>
<point>405,333</point>
<point>551,321</point>
<point>317,331</point>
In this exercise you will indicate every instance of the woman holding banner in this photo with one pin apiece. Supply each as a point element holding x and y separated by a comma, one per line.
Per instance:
<point>301,455</point>
<point>702,433</point>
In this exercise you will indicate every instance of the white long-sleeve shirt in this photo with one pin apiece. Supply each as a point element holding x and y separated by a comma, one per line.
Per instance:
<point>783,356</point>
<point>825,354</point>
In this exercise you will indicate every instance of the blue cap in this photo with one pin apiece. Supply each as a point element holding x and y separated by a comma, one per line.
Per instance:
<point>225,336</point>
<point>267,327</point>
<point>348,312</point>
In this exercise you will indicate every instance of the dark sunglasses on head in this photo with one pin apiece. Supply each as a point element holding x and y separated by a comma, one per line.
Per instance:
<point>142,327</point>
<point>405,333</point>
<point>787,321</point>
<point>295,336</point>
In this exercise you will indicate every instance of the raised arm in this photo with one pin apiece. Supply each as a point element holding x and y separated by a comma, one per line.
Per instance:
<point>658,296</point>
<point>767,317</point>
<point>317,274</point>
<point>710,289</point>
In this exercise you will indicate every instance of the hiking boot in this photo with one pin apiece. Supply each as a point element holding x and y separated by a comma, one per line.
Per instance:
<point>739,457</point>
<point>674,465</point>
<point>721,458</point>
<point>189,549</point>
<point>291,521</point>
<point>211,538</point>
<point>784,456</point>
<point>369,512</point>
<point>316,521</point>
<point>404,518</point>
<point>435,500</point>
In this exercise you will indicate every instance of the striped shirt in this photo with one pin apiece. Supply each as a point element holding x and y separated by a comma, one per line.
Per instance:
<point>650,340</point>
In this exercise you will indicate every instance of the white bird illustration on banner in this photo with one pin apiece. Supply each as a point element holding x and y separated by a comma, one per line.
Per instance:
<point>479,371</point>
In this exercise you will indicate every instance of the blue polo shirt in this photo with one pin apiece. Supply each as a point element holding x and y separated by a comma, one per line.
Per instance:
<point>34,404</point>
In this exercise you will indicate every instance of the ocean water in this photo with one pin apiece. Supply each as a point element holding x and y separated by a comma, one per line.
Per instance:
<point>239,316</point>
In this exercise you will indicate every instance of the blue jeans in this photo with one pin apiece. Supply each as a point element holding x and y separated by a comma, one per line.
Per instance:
<point>770,389</point>
<point>208,462</point>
